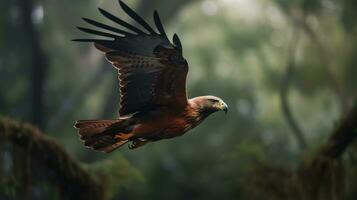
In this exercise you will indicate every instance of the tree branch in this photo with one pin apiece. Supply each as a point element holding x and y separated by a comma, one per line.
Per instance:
<point>37,157</point>
<point>343,135</point>
<point>323,176</point>
<point>284,91</point>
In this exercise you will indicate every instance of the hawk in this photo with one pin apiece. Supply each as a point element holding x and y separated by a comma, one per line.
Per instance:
<point>152,78</point>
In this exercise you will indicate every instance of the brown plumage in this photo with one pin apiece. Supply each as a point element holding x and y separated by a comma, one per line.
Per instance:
<point>152,77</point>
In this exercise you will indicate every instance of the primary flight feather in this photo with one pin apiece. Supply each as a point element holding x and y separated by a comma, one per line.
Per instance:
<point>152,78</point>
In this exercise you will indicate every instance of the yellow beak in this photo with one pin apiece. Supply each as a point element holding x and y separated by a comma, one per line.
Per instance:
<point>223,106</point>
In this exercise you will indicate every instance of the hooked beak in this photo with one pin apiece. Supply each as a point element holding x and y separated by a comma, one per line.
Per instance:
<point>224,107</point>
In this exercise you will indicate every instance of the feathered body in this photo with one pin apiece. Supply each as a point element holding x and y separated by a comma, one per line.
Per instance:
<point>152,77</point>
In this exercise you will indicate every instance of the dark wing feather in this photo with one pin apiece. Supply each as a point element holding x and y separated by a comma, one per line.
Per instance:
<point>120,22</point>
<point>106,27</point>
<point>100,33</point>
<point>136,17</point>
<point>159,24</point>
<point>152,71</point>
<point>177,42</point>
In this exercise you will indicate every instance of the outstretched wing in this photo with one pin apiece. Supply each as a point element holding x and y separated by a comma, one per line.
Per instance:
<point>152,71</point>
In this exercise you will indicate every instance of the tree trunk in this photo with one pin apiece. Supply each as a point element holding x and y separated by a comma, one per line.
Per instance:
<point>38,62</point>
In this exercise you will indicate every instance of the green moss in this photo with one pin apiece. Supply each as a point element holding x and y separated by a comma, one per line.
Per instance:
<point>37,166</point>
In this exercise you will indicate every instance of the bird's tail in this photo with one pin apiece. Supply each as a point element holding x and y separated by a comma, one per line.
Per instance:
<point>104,135</point>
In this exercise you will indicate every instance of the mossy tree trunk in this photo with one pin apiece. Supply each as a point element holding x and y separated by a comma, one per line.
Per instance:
<point>34,166</point>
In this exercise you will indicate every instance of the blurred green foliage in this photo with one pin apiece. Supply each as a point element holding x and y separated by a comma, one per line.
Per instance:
<point>236,49</point>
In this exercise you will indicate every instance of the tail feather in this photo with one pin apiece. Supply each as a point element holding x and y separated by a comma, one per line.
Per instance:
<point>101,135</point>
<point>94,123</point>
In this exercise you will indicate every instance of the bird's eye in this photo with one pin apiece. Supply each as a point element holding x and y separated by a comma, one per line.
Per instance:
<point>214,100</point>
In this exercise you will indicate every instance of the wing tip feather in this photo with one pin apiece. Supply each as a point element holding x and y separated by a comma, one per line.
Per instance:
<point>177,42</point>
<point>136,17</point>
<point>159,25</point>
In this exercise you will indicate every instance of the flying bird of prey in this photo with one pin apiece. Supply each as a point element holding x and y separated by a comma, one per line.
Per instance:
<point>152,78</point>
